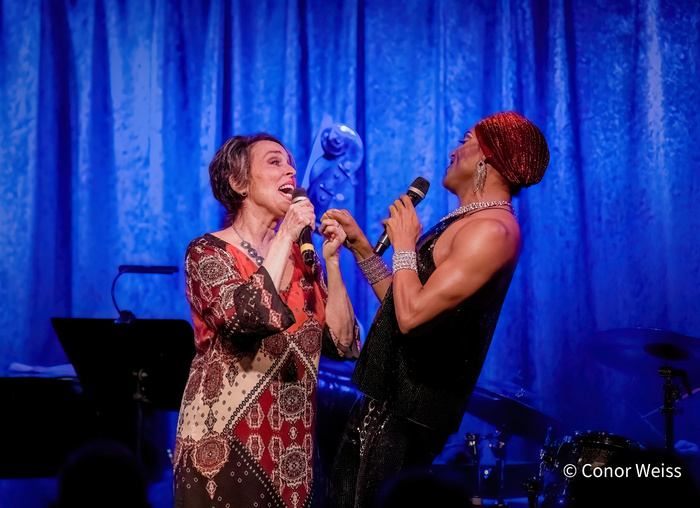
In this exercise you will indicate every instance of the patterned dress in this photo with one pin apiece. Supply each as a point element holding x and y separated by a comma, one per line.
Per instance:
<point>245,435</point>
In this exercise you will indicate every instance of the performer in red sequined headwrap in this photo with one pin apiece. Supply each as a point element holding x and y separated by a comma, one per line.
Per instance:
<point>502,137</point>
<point>429,340</point>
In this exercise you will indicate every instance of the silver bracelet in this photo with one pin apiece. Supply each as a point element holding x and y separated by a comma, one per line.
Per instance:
<point>374,269</point>
<point>405,260</point>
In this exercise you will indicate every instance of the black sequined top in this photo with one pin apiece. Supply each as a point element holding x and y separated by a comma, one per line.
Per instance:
<point>429,378</point>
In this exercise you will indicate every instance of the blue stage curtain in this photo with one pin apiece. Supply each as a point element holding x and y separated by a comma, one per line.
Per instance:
<point>110,112</point>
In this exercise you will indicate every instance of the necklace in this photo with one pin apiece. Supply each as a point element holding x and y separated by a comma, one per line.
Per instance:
<point>257,258</point>
<point>481,205</point>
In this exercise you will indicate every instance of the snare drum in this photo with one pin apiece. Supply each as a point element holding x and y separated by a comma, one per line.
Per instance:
<point>568,461</point>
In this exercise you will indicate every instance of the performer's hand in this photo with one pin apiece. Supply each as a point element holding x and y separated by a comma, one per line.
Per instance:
<point>355,241</point>
<point>299,215</point>
<point>402,226</point>
<point>334,235</point>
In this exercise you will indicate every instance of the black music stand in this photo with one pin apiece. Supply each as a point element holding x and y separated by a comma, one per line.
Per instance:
<point>124,368</point>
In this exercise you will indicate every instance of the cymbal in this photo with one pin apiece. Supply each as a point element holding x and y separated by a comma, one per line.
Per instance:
<point>643,349</point>
<point>510,415</point>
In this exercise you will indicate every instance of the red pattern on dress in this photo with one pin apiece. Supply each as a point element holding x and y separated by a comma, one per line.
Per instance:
<point>263,398</point>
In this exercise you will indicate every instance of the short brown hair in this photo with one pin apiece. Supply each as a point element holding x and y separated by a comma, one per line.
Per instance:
<point>232,162</point>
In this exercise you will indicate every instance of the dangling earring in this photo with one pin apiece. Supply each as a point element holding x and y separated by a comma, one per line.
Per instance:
<point>480,177</point>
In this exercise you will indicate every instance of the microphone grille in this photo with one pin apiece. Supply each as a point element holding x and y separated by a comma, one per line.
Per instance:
<point>299,192</point>
<point>421,184</point>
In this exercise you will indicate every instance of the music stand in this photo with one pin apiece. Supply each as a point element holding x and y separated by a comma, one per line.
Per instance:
<point>125,367</point>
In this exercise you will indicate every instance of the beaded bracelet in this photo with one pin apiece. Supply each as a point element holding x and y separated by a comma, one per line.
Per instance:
<point>404,260</point>
<point>374,269</point>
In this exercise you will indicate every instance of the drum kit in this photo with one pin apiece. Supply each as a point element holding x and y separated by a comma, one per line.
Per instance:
<point>630,350</point>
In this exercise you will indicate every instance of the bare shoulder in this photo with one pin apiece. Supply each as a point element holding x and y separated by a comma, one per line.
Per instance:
<point>489,228</point>
<point>474,260</point>
<point>487,237</point>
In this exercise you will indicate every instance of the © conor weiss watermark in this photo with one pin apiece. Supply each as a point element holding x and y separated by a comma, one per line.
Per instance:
<point>635,471</point>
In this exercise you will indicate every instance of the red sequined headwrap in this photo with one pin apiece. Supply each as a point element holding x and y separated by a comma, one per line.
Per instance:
<point>514,146</point>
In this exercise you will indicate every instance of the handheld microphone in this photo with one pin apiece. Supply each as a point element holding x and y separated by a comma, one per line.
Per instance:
<point>304,240</point>
<point>417,191</point>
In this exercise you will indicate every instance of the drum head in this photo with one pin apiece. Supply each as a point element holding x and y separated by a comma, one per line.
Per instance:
<point>564,462</point>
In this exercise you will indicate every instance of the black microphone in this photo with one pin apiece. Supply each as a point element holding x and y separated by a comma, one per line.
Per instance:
<point>304,240</point>
<point>417,191</point>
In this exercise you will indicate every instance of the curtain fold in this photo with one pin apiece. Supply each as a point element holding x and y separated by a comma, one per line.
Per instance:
<point>110,112</point>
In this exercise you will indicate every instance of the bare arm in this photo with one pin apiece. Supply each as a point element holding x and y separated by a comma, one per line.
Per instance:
<point>299,215</point>
<point>340,316</point>
<point>481,253</point>
<point>358,244</point>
